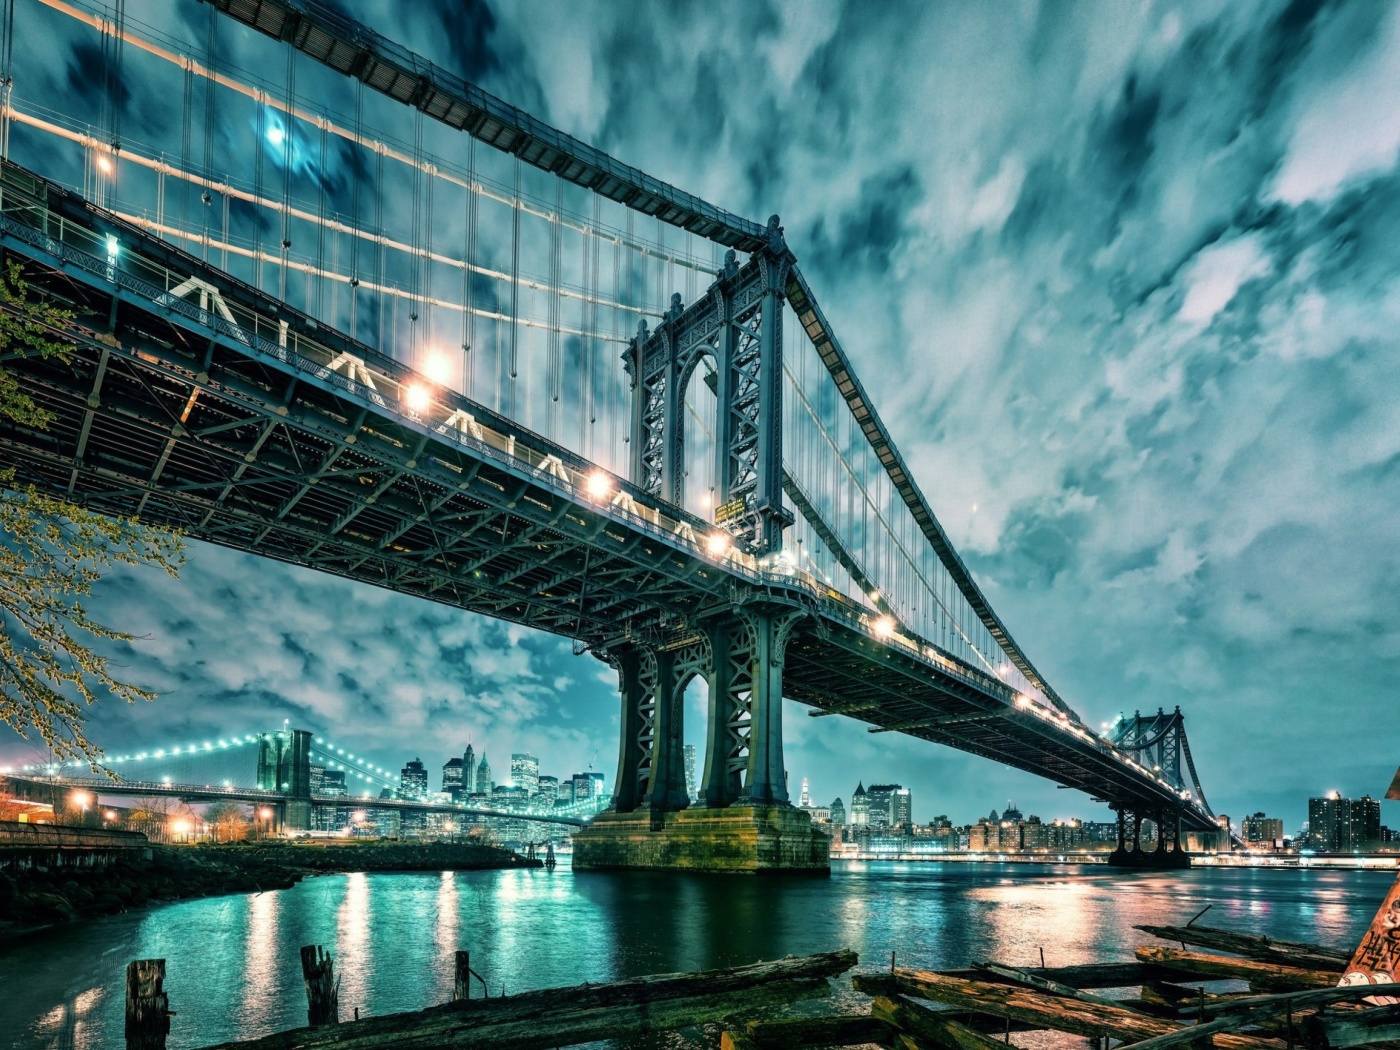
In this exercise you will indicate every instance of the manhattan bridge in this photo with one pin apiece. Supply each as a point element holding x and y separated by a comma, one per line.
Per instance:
<point>336,306</point>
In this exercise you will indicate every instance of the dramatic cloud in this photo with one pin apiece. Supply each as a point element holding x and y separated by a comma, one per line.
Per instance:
<point>1123,280</point>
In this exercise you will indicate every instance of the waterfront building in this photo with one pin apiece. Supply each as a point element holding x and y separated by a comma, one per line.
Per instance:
<point>880,812</point>
<point>1262,832</point>
<point>691,788</point>
<point>452,777</point>
<point>838,812</point>
<point>1343,825</point>
<point>484,783</point>
<point>469,772</point>
<point>902,808</point>
<point>1011,813</point>
<point>413,780</point>
<point>860,807</point>
<point>525,771</point>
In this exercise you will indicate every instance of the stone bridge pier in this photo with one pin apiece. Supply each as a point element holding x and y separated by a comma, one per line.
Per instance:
<point>743,821</point>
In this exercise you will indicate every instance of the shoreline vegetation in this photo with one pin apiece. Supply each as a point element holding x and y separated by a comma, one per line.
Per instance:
<point>39,897</point>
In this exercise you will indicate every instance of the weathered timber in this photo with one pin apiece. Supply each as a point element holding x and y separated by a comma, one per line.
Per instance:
<point>1165,993</point>
<point>1191,1033</point>
<point>1042,1010</point>
<point>1288,953</point>
<point>147,1006</point>
<point>559,1016</point>
<point>1294,1000</point>
<point>947,1032</point>
<point>462,977</point>
<point>846,1030</point>
<point>736,1040</point>
<point>322,989</point>
<point>1355,1028</point>
<point>1267,976</point>
<point>1092,975</point>
<point>1044,984</point>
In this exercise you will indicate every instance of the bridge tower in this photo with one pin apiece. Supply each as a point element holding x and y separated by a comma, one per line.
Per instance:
<point>1159,745</point>
<point>746,822</point>
<point>284,766</point>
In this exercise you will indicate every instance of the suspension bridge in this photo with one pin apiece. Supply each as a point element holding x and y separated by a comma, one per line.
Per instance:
<point>274,770</point>
<point>492,366</point>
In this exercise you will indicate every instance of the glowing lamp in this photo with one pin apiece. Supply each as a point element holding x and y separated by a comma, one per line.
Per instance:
<point>82,798</point>
<point>104,164</point>
<point>1023,702</point>
<point>435,368</point>
<point>598,485</point>
<point>884,626</point>
<point>416,397</point>
<point>717,543</point>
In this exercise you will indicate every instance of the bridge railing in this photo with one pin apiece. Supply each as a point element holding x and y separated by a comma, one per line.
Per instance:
<point>16,834</point>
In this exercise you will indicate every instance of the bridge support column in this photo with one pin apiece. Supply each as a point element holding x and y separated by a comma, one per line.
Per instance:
<point>743,827</point>
<point>1132,855</point>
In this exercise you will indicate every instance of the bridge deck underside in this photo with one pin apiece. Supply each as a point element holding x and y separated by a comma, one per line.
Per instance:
<point>158,416</point>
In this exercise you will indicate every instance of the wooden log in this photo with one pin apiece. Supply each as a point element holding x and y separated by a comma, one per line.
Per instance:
<point>322,989</point>
<point>147,1006</point>
<point>732,1039</point>
<point>1269,976</point>
<point>1354,1028</point>
<point>1286,953</point>
<point>633,1006</point>
<point>1044,984</point>
<point>947,1032</point>
<point>1289,1000</point>
<point>461,982</point>
<point>846,1030</point>
<point>1044,1011</point>
<point>1093,975</point>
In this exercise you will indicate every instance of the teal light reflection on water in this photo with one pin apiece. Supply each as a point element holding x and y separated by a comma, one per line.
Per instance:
<point>234,969</point>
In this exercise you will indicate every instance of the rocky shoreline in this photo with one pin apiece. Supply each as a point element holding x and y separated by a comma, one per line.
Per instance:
<point>39,897</point>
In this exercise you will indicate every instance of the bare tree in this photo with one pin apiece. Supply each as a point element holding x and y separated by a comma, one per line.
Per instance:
<point>52,554</point>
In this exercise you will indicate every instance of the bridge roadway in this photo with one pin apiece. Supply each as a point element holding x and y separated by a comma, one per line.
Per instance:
<point>208,406</point>
<point>209,793</point>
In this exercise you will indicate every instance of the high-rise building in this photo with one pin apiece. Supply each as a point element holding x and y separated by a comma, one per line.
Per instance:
<point>902,808</point>
<point>690,786</point>
<point>413,780</point>
<point>1261,831</point>
<point>885,810</point>
<point>1341,825</point>
<point>484,783</point>
<point>587,785</point>
<point>860,807</point>
<point>804,800</point>
<point>548,793</point>
<point>525,771</point>
<point>838,812</point>
<point>469,772</point>
<point>452,777</point>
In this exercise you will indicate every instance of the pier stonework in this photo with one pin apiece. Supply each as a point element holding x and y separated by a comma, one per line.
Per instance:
<point>775,839</point>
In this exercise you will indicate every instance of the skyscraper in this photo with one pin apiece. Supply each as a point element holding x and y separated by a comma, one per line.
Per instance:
<point>690,786</point>
<point>452,777</point>
<point>525,771</point>
<point>1329,827</point>
<point>804,801</point>
<point>413,780</point>
<point>469,772</point>
<point>880,800</point>
<point>548,792</point>
<point>484,783</point>
<point>860,806</point>
<point>838,812</point>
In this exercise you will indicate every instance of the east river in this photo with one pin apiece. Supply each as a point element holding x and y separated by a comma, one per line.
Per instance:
<point>233,968</point>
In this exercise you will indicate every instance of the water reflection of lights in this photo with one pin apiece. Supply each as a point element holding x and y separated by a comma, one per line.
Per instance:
<point>447,929</point>
<point>262,951</point>
<point>352,939</point>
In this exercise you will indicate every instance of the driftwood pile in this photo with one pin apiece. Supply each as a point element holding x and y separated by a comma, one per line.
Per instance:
<point>1293,1001</point>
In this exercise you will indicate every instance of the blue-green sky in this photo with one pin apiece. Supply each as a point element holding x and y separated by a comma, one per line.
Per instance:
<point>1122,278</point>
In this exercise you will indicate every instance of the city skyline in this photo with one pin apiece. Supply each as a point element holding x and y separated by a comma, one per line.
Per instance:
<point>1127,395</point>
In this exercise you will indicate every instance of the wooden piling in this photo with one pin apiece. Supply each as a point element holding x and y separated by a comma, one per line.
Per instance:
<point>461,987</point>
<point>322,989</point>
<point>147,1006</point>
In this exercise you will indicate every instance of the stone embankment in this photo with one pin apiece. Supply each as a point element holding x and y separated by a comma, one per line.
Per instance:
<point>38,895</point>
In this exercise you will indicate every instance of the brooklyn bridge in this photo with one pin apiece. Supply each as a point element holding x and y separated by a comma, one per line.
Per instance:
<point>499,369</point>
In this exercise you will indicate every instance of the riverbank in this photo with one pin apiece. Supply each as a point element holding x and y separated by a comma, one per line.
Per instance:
<point>39,896</point>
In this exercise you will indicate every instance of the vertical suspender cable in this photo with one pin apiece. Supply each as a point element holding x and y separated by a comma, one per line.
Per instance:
<point>205,196</point>
<point>286,150</point>
<point>556,259</point>
<point>7,75</point>
<point>468,283</point>
<point>321,232</point>
<point>515,281</point>
<point>355,182</point>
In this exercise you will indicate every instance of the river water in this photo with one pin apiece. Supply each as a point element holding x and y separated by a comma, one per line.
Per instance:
<point>233,968</point>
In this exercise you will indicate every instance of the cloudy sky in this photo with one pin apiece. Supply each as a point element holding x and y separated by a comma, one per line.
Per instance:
<point>1124,281</point>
